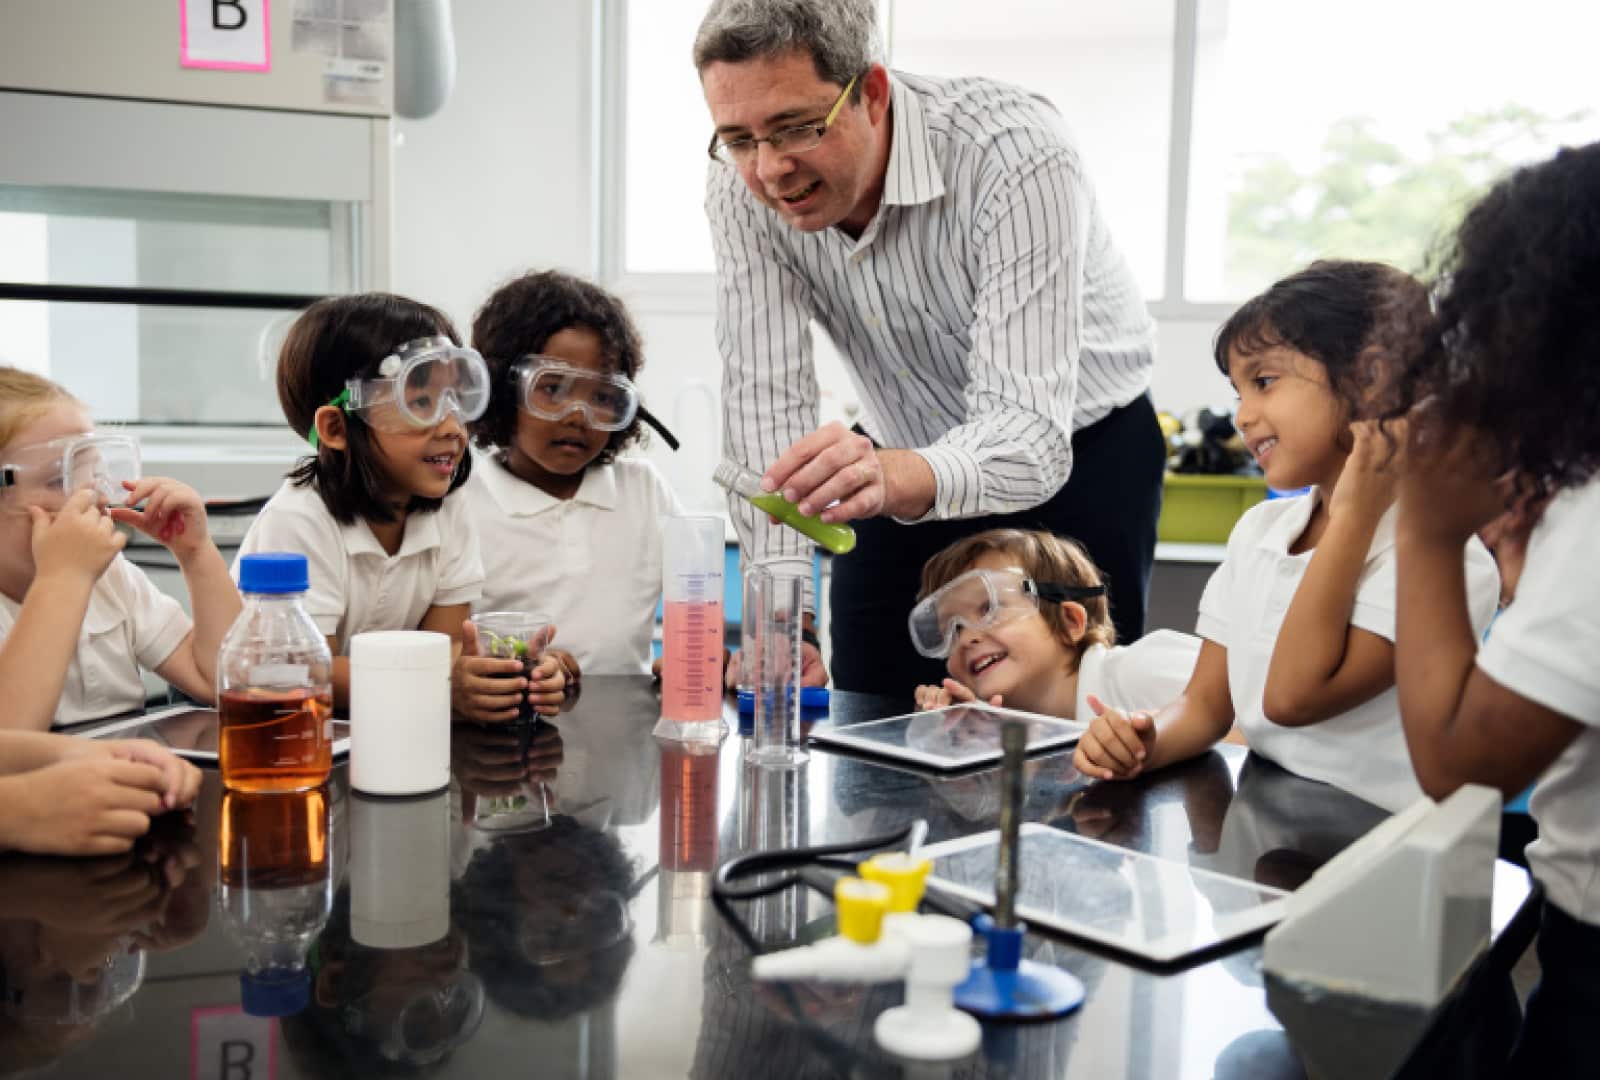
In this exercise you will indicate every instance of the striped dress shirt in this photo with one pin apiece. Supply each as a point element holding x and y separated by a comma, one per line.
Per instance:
<point>984,315</point>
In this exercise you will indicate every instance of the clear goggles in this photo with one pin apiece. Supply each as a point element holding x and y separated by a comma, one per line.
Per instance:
<point>553,390</point>
<point>983,600</point>
<point>421,383</point>
<point>48,473</point>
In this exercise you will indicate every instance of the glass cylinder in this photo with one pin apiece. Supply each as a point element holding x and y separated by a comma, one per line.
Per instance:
<point>691,635</point>
<point>781,600</point>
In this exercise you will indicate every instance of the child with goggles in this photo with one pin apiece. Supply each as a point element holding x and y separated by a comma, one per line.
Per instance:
<point>570,526</point>
<point>1022,620</point>
<point>380,389</point>
<point>78,620</point>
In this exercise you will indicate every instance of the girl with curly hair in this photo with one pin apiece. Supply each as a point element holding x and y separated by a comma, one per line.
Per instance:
<point>1502,396</point>
<point>569,527</point>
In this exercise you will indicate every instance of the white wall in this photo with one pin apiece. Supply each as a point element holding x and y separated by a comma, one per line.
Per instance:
<point>497,181</point>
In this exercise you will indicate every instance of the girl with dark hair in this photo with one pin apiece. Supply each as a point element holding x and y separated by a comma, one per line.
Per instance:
<point>569,527</point>
<point>1299,620</point>
<point>1503,395</point>
<point>382,390</point>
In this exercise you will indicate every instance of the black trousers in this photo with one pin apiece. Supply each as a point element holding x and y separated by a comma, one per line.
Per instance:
<point>1109,504</point>
<point>1558,1030</point>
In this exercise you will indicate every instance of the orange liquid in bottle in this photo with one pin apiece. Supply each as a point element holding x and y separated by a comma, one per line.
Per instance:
<point>276,740</point>
<point>274,839</point>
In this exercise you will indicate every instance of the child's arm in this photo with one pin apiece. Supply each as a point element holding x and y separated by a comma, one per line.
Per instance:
<point>1321,665</point>
<point>174,515</point>
<point>1461,725</point>
<point>69,555</point>
<point>1119,747</point>
<point>25,751</point>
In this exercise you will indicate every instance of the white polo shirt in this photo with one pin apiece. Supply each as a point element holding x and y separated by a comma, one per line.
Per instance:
<point>1546,647</point>
<point>1145,675</point>
<point>592,563</point>
<point>129,624</point>
<point>357,586</point>
<point>1362,750</point>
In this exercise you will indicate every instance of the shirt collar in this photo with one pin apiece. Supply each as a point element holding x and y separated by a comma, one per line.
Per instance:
<point>519,498</point>
<point>1283,532</point>
<point>914,174</point>
<point>422,533</point>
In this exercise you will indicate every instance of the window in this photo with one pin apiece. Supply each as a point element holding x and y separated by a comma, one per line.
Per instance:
<point>1359,128</point>
<point>1371,143</point>
<point>165,308</point>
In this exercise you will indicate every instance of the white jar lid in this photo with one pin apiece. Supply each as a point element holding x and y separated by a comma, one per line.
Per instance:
<point>394,650</point>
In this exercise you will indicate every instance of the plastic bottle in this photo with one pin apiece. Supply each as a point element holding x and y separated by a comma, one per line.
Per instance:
<point>837,538</point>
<point>275,890</point>
<point>693,553</point>
<point>275,683</point>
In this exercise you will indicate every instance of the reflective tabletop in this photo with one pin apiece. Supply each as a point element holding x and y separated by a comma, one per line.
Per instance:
<point>554,919</point>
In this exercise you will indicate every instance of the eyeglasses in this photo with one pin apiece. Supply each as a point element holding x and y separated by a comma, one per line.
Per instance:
<point>790,140</point>
<point>552,389</point>
<point>418,385</point>
<point>983,600</point>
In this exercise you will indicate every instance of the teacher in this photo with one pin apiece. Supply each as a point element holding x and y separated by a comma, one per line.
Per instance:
<point>944,234</point>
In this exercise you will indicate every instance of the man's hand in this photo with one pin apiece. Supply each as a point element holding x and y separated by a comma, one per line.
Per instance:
<point>838,475</point>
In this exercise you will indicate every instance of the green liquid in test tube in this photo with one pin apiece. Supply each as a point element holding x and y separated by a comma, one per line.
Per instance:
<point>837,538</point>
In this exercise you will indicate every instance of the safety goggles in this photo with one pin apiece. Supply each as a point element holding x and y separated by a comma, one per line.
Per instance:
<point>983,600</point>
<point>553,390</point>
<point>48,473</point>
<point>421,383</point>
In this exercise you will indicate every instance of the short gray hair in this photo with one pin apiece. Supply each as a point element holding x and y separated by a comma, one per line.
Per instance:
<point>840,35</point>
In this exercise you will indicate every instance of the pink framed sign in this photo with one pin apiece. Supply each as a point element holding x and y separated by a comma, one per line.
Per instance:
<point>225,35</point>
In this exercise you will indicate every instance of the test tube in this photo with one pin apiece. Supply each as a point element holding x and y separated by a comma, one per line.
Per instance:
<point>691,634</point>
<point>777,672</point>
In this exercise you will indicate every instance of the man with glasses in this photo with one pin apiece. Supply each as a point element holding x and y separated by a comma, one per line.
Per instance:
<point>944,235</point>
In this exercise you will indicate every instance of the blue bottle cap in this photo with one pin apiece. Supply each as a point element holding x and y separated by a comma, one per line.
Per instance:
<point>273,572</point>
<point>274,992</point>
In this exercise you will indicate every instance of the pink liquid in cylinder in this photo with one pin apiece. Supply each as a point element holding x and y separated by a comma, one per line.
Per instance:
<point>691,661</point>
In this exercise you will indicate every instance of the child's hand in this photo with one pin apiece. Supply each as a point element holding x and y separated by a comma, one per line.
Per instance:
<point>547,687</point>
<point>78,543</point>
<point>1448,485</point>
<point>1369,481</point>
<point>82,806</point>
<point>1116,745</point>
<point>182,779</point>
<point>950,693</point>
<point>173,514</point>
<point>487,689</point>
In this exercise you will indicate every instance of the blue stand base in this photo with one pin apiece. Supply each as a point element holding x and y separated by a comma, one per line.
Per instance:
<point>1003,986</point>
<point>1031,992</point>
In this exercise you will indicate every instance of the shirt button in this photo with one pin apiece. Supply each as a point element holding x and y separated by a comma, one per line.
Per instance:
<point>858,256</point>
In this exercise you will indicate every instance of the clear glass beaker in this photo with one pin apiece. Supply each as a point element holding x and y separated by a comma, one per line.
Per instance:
<point>777,668</point>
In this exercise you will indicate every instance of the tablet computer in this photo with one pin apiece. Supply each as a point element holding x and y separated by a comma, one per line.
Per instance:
<point>954,737</point>
<point>190,731</point>
<point>1160,910</point>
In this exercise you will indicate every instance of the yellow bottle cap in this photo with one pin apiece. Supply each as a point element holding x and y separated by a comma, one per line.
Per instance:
<point>861,906</point>
<point>903,874</point>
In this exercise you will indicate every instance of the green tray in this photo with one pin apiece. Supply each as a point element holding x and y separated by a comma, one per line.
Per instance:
<point>1203,509</point>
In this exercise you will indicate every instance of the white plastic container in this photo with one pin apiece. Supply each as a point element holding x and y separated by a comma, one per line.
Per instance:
<point>399,712</point>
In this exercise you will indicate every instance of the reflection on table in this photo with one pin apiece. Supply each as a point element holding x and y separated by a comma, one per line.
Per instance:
<point>551,914</point>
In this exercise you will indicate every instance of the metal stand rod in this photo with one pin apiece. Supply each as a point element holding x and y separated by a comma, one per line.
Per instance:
<point>1014,741</point>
